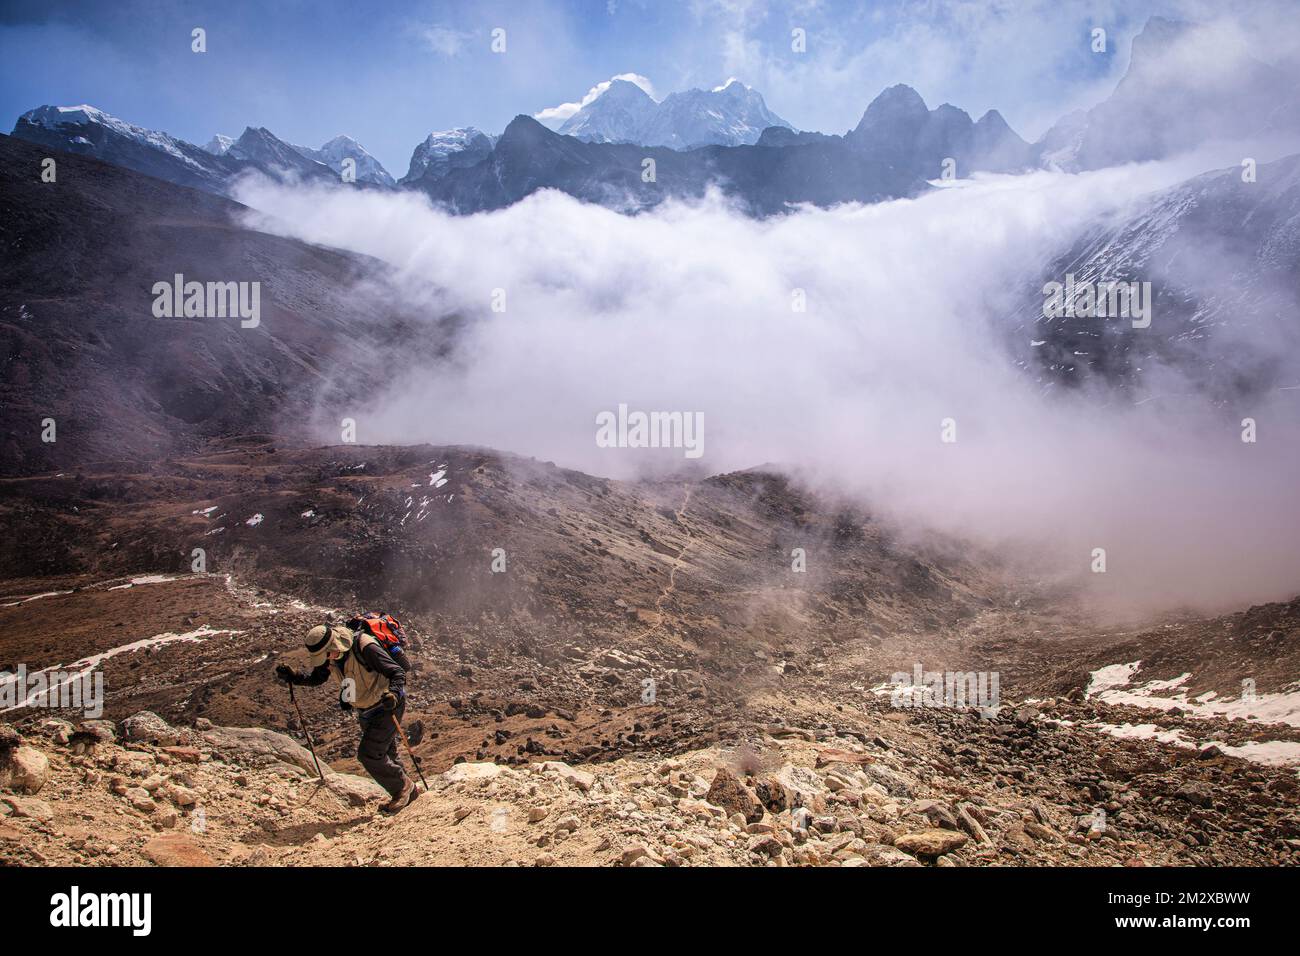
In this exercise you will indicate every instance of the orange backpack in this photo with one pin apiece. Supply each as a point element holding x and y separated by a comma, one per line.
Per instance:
<point>387,631</point>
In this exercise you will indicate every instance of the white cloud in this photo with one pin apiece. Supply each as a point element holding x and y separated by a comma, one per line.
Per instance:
<point>688,309</point>
<point>554,116</point>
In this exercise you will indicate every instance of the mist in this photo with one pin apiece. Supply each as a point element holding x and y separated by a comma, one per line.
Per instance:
<point>909,303</point>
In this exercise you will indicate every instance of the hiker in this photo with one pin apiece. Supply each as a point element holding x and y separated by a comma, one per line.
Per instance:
<point>374,685</point>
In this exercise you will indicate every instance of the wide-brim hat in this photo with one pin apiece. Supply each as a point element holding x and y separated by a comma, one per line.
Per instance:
<point>320,640</point>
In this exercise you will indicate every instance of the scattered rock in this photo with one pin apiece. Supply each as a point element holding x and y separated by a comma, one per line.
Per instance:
<point>37,810</point>
<point>633,853</point>
<point>931,843</point>
<point>184,754</point>
<point>139,798</point>
<point>581,779</point>
<point>464,772</point>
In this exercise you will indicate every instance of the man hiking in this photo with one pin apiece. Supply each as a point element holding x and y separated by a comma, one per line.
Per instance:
<point>374,685</point>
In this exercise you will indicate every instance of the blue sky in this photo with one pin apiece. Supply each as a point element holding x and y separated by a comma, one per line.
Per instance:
<point>389,75</point>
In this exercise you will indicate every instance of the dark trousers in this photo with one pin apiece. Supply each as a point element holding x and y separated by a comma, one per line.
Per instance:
<point>378,751</point>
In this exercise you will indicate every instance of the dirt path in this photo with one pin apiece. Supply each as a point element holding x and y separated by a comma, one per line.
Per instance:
<point>671,586</point>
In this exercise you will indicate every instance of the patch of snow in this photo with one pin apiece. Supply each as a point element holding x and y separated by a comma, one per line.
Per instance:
<point>254,521</point>
<point>1113,675</point>
<point>35,597</point>
<point>1111,686</point>
<point>78,669</point>
<point>146,579</point>
<point>1272,753</point>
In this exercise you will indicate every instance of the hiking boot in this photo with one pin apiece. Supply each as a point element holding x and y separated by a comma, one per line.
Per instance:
<point>404,796</point>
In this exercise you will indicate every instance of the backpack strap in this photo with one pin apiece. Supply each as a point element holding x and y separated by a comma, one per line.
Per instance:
<point>361,640</point>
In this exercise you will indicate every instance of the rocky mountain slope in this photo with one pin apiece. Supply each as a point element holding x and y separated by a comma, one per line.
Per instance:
<point>1186,85</point>
<point>897,147</point>
<point>697,139</point>
<point>805,770</point>
<point>82,345</point>
<point>446,150</point>
<point>335,151</point>
<point>648,674</point>
<point>529,157</point>
<point>87,131</point>
<point>898,129</point>
<point>1222,255</point>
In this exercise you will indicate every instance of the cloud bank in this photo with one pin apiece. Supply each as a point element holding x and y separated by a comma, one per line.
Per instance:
<point>689,309</point>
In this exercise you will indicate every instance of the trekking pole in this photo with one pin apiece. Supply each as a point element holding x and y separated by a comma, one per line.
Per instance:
<point>402,733</point>
<point>303,724</point>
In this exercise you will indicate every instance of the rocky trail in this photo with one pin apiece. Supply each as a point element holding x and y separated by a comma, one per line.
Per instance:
<point>810,767</point>
<point>873,786</point>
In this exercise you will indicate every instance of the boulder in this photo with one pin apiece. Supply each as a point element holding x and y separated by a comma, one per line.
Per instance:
<point>146,727</point>
<point>632,854</point>
<point>733,796</point>
<point>830,755</point>
<point>23,769</point>
<point>37,810</point>
<point>771,793</point>
<point>357,791</point>
<point>967,821</point>
<point>259,741</point>
<point>931,843</point>
<point>1197,794</point>
<point>57,729</point>
<point>1026,714</point>
<point>102,730</point>
<point>888,780</point>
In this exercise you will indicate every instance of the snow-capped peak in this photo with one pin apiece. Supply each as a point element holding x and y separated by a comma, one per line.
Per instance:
<point>621,110</point>
<point>445,149</point>
<point>53,117</point>
<point>555,117</point>
<point>219,145</point>
<point>340,148</point>
<point>59,118</point>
